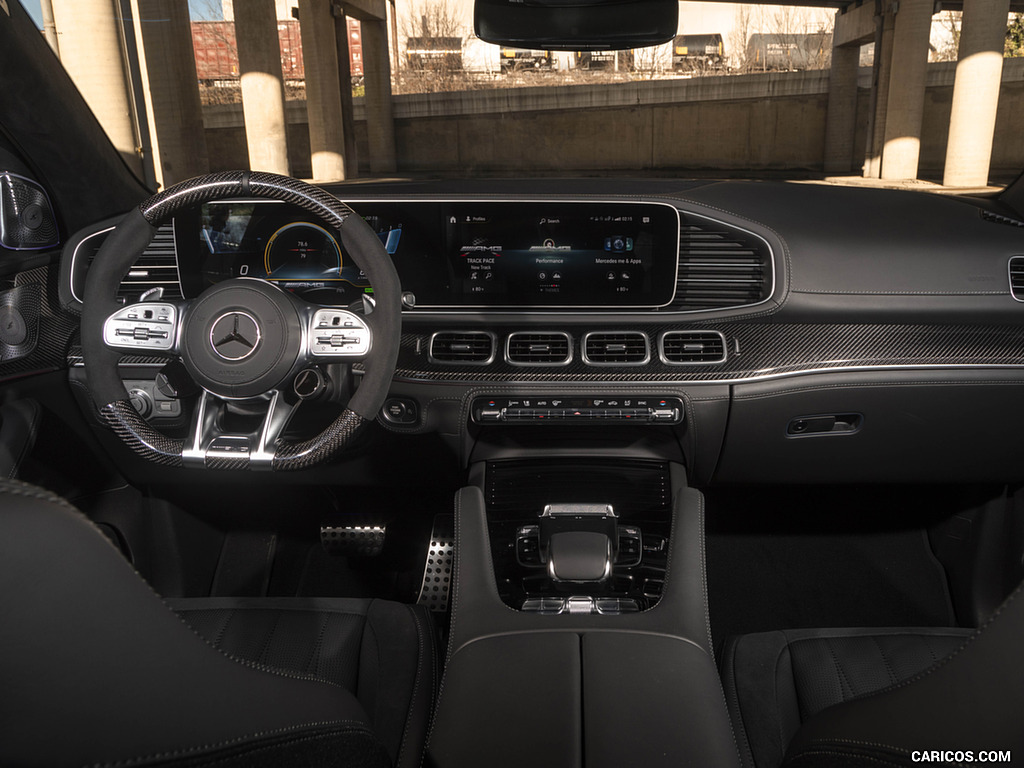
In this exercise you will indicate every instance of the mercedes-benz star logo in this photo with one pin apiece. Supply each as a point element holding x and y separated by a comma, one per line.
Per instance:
<point>235,335</point>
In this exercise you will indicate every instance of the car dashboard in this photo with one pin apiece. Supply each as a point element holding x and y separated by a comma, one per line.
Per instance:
<point>767,331</point>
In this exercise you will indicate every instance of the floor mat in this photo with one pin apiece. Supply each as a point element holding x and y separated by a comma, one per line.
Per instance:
<point>820,558</point>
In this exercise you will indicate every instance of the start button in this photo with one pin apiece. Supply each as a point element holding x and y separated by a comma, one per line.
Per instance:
<point>398,410</point>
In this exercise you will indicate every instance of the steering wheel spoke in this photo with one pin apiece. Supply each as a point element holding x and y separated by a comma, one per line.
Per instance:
<point>148,326</point>
<point>210,446</point>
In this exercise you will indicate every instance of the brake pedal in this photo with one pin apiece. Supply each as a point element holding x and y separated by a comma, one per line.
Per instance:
<point>353,540</point>
<point>440,566</point>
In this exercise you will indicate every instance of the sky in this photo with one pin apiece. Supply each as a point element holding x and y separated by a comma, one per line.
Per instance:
<point>198,9</point>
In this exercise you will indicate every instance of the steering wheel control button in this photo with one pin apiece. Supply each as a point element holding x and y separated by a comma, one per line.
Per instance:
<point>142,402</point>
<point>338,333</point>
<point>242,338</point>
<point>398,410</point>
<point>147,325</point>
<point>235,335</point>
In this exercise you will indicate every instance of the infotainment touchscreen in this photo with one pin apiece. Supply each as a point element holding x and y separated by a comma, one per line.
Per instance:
<point>545,254</point>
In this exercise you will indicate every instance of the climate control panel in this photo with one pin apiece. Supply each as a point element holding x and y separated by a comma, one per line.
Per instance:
<point>589,409</point>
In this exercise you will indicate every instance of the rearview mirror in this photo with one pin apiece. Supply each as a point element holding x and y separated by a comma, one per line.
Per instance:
<point>576,25</point>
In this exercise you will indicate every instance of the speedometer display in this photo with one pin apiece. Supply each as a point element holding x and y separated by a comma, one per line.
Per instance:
<point>267,240</point>
<point>302,251</point>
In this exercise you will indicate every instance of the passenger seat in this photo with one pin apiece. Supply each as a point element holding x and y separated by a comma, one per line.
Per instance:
<point>874,697</point>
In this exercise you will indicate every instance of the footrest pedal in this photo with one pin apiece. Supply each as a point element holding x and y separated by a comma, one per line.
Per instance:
<point>353,540</point>
<point>439,570</point>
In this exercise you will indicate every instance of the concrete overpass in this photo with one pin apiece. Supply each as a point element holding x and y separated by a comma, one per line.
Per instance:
<point>165,113</point>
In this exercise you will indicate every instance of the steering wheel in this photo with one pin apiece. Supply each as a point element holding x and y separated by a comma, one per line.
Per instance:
<point>242,339</point>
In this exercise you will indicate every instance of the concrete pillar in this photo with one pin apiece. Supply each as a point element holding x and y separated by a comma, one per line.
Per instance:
<point>92,51</point>
<point>49,28</point>
<point>841,118</point>
<point>323,92</point>
<point>170,86</point>
<point>380,125</point>
<point>880,77</point>
<point>909,76</point>
<point>259,61</point>
<point>341,36</point>
<point>979,70</point>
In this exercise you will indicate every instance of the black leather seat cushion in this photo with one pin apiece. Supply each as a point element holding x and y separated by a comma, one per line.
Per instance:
<point>775,681</point>
<point>383,652</point>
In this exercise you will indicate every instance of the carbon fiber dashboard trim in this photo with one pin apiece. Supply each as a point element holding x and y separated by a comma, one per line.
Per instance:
<point>145,441</point>
<point>759,351</point>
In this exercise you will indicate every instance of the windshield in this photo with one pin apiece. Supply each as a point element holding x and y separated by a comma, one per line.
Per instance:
<point>404,88</point>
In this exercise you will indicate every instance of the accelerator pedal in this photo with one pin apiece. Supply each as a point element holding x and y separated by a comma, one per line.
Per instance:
<point>353,540</point>
<point>440,566</point>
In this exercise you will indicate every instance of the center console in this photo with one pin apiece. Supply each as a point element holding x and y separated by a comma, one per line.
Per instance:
<point>572,535</point>
<point>580,633</point>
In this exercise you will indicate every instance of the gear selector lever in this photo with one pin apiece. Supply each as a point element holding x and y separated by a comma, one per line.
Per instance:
<point>579,540</point>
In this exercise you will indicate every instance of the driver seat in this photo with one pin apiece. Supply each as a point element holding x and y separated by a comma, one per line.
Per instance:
<point>96,669</point>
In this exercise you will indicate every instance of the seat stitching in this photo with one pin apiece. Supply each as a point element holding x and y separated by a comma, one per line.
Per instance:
<point>19,488</point>
<point>707,613</point>
<point>939,665</point>
<point>218,639</point>
<point>840,674</point>
<point>269,638</point>
<point>703,572</point>
<point>416,684</point>
<point>783,741</point>
<point>376,645</point>
<point>836,753</point>
<point>313,666</point>
<point>928,645</point>
<point>734,689</point>
<point>885,659</point>
<point>360,726</point>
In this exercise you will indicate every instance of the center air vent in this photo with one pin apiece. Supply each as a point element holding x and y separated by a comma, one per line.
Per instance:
<point>1017,277</point>
<point>690,347</point>
<point>524,348</point>
<point>998,218</point>
<point>462,347</point>
<point>616,348</point>
<point>720,266</point>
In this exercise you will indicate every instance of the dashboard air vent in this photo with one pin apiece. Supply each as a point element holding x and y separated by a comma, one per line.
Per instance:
<point>998,218</point>
<point>524,348</point>
<point>616,348</point>
<point>689,347</point>
<point>1017,277</point>
<point>719,266</point>
<point>156,267</point>
<point>462,347</point>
